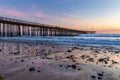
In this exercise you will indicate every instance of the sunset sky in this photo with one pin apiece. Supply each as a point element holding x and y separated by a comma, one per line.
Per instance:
<point>99,15</point>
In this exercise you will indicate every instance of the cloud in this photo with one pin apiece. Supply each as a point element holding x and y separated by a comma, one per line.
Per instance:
<point>20,14</point>
<point>37,13</point>
<point>66,19</point>
<point>12,12</point>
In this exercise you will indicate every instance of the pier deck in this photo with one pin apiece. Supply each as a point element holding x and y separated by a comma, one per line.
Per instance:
<point>14,27</point>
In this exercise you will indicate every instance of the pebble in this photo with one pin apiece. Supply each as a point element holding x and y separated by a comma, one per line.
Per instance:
<point>2,77</point>
<point>99,78</point>
<point>22,60</point>
<point>100,74</point>
<point>73,66</point>
<point>69,50</point>
<point>38,71</point>
<point>93,76</point>
<point>32,69</point>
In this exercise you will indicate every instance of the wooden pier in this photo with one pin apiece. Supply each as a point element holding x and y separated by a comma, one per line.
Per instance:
<point>13,27</point>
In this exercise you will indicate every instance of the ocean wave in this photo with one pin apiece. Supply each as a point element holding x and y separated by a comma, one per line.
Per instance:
<point>72,40</point>
<point>99,35</point>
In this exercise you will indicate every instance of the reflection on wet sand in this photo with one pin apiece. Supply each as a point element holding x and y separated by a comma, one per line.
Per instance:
<point>52,61</point>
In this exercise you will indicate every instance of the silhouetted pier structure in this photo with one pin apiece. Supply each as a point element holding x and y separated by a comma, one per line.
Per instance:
<point>14,27</point>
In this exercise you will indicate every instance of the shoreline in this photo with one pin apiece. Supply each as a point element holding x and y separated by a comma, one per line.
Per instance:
<point>52,61</point>
<point>31,40</point>
<point>67,40</point>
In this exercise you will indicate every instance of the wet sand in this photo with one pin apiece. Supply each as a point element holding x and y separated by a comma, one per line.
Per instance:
<point>52,61</point>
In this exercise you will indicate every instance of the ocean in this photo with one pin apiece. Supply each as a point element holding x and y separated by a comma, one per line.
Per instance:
<point>82,39</point>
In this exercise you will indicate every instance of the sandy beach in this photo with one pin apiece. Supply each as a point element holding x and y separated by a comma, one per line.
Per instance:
<point>52,61</point>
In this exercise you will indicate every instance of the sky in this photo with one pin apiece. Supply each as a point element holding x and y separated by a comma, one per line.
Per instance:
<point>102,16</point>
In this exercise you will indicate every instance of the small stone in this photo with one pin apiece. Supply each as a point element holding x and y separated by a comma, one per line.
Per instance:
<point>16,53</point>
<point>106,62</point>
<point>38,71</point>
<point>99,78</point>
<point>114,62</point>
<point>79,69</point>
<point>73,66</point>
<point>22,60</point>
<point>73,61</point>
<point>100,74</point>
<point>68,66</point>
<point>11,59</point>
<point>32,62</point>
<point>100,60</point>
<point>69,50</point>
<point>32,69</point>
<point>2,77</point>
<point>91,59</point>
<point>68,57</point>
<point>93,76</point>
<point>61,65</point>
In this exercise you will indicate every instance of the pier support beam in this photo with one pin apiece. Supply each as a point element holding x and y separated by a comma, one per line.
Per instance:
<point>0,29</point>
